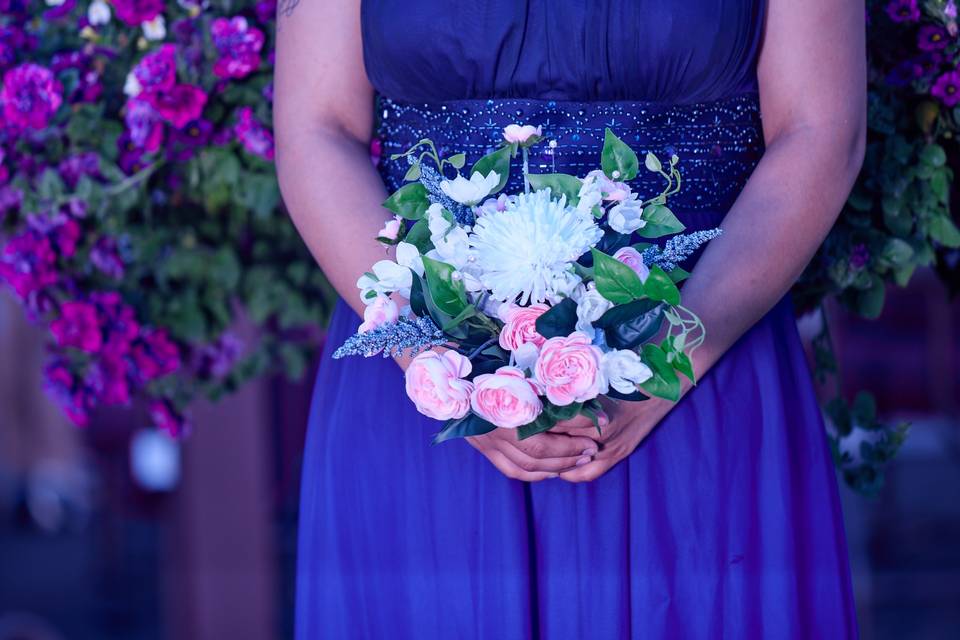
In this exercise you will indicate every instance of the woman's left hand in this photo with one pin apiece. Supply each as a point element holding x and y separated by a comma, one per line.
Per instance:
<point>623,426</point>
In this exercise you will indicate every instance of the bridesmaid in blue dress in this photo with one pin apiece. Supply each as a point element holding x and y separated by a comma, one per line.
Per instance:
<point>718,517</point>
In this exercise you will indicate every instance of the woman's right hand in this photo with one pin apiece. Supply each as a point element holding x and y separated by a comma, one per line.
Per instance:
<point>538,457</point>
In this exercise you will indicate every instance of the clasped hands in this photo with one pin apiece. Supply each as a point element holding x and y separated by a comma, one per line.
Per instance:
<point>573,450</point>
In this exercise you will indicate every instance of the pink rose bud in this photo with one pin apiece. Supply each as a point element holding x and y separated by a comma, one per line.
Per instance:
<point>520,325</point>
<point>391,230</point>
<point>633,259</point>
<point>381,311</point>
<point>569,369</point>
<point>520,134</point>
<point>435,384</point>
<point>506,398</point>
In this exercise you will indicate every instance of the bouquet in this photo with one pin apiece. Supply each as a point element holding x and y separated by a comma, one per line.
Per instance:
<point>543,301</point>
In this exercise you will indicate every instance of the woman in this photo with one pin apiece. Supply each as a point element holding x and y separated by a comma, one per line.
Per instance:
<point>717,517</point>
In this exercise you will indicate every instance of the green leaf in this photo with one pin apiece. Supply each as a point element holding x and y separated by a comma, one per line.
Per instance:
<point>50,186</point>
<point>409,201</point>
<point>896,252</point>
<point>652,163</point>
<point>678,275</point>
<point>559,184</point>
<point>945,232</point>
<point>659,286</point>
<point>457,161</point>
<point>664,383</point>
<point>559,320</point>
<point>469,425</point>
<point>543,423</point>
<point>498,161</point>
<point>682,363</point>
<point>933,155</point>
<point>627,326</point>
<point>661,221</point>
<point>468,312</point>
<point>870,301</point>
<point>616,282</point>
<point>417,302</point>
<point>413,173</point>
<point>618,157</point>
<point>448,294</point>
<point>419,236</point>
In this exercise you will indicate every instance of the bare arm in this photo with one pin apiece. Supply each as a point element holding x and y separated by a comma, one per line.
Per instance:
<point>812,74</point>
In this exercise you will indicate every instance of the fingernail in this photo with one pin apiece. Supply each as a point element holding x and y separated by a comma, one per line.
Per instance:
<point>583,461</point>
<point>553,475</point>
<point>589,452</point>
<point>603,420</point>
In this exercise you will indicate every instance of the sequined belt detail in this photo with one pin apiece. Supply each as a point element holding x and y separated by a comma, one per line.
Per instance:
<point>719,143</point>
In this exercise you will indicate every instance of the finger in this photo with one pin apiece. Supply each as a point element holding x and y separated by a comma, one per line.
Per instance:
<point>590,471</point>
<point>555,445</point>
<point>581,422</point>
<point>551,465</point>
<point>513,471</point>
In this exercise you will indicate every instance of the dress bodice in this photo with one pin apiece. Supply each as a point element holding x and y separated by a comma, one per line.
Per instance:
<point>661,51</point>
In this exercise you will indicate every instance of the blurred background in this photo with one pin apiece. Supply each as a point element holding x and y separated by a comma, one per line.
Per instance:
<point>118,531</point>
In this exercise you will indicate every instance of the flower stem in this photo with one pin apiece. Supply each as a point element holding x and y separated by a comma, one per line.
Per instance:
<point>526,170</point>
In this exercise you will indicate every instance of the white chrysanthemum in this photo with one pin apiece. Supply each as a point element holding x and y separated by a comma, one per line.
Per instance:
<point>527,251</point>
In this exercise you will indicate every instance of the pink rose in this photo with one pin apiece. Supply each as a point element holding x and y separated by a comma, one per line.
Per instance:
<point>632,258</point>
<point>506,398</point>
<point>520,325</point>
<point>569,369</point>
<point>381,311</point>
<point>435,384</point>
<point>520,134</point>
<point>391,229</point>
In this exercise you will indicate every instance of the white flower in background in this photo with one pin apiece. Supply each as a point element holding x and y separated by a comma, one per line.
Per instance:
<point>132,86</point>
<point>521,133</point>
<point>590,306</point>
<point>472,191</point>
<point>55,3</point>
<point>626,217</point>
<point>624,370</point>
<point>155,29</point>
<point>528,250</point>
<point>388,276</point>
<point>98,13</point>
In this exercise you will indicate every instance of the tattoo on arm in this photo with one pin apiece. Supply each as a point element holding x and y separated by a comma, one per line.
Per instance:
<point>286,7</point>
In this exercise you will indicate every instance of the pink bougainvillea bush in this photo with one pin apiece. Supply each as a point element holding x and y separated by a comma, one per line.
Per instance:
<point>139,210</point>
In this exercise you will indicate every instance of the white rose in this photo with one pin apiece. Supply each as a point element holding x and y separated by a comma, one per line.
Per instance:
<point>409,256</point>
<point>98,13</point>
<point>155,29</point>
<point>590,306</point>
<point>624,370</point>
<point>590,194</point>
<point>626,217</point>
<point>472,191</point>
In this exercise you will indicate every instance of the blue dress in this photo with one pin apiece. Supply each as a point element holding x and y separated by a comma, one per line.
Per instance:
<point>725,522</point>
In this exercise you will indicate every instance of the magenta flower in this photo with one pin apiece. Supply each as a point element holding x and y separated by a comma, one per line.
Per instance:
<point>947,88</point>
<point>62,386</point>
<point>167,420</point>
<point>108,380</point>
<point>157,71</point>
<point>106,258</point>
<point>183,143</point>
<point>28,264</point>
<point>135,12</point>
<point>155,355</point>
<point>254,137</point>
<point>903,10</point>
<point>144,124</point>
<point>120,322</point>
<point>30,96</point>
<point>932,37</point>
<point>66,236</point>
<point>78,326</point>
<point>180,105</point>
<point>239,46</point>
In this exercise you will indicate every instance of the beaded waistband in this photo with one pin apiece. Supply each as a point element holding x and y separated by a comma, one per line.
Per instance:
<point>719,143</point>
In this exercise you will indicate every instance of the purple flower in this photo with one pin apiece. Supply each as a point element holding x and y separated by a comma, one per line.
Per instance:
<point>106,258</point>
<point>254,137</point>
<point>62,386</point>
<point>60,11</point>
<point>135,12</point>
<point>13,41</point>
<point>30,96</point>
<point>28,264</point>
<point>183,143</point>
<point>66,236</point>
<point>903,10</point>
<point>168,420</point>
<point>119,322</point>
<point>178,106</point>
<point>78,326</point>
<point>10,198</point>
<point>217,359</point>
<point>859,257</point>
<point>143,124</point>
<point>108,380</point>
<point>75,166</point>
<point>932,37</point>
<point>239,46</point>
<point>157,71</point>
<point>947,88</point>
<point>266,11</point>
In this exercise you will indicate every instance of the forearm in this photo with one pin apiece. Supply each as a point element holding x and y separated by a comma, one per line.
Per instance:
<point>780,219</point>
